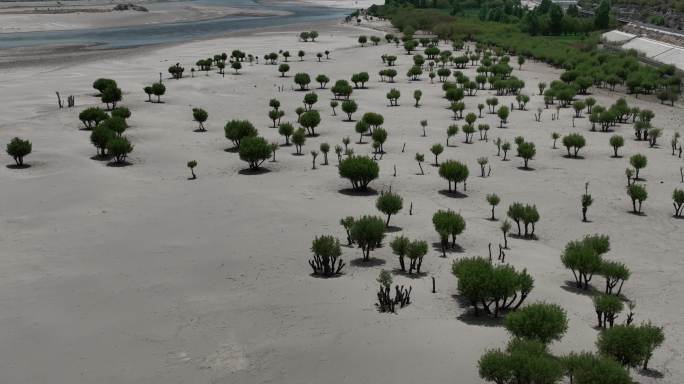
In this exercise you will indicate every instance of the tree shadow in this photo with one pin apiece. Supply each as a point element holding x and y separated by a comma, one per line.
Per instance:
<point>453,194</point>
<point>652,373</point>
<point>119,164</point>
<point>468,316</point>
<point>528,169</point>
<point>523,237</point>
<point>371,262</point>
<point>297,154</point>
<point>199,130</point>
<point>323,277</point>
<point>232,150</point>
<point>17,166</point>
<point>437,246</point>
<point>393,229</point>
<point>571,287</point>
<point>254,171</point>
<point>637,213</point>
<point>358,192</point>
<point>102,157</point>
<point>572,157</point>
<point>681,217</point>
<point>414,275</point>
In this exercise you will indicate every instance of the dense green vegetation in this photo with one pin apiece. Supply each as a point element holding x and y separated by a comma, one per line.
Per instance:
<point>547,33</point>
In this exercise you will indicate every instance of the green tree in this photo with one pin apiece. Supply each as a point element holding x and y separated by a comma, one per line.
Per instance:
<point>322,80</point>
<point>115,124</point>
<point>574,141</point>
<point>121,112</point>
<point>615,273</point>
<point>200,116</point>
<point>417,95</point>
<point>360,78</point>
<point>119,147</point>
<point>638,194</point>
<point>616,141</point>
<point>583,258</point>
<point>502,113</point>
<point>286,130</point>
<point>158,89</point>
<point>491,287</point>
<point>527,151</point>
<point>254,150</point>
<point>91,117</point>
<point>607,308</point>
<point>349,107</point>
<point>310,120</point>
<point>493,200</point>
<point>539,321</point>
<point>639,162</point>
<point>588,368</point>
<point>303,80</point>
<point>448,223</point>
<point>654,337</point>
<point>192,164</point>
<point>100,136</point>
<point>452,130</point>
<point>325,149</point>
<point>101,84</point>
<point>368,232</point>
<point>111,96</point>
<point>436,150</point>
<point>237,130</point>
<point>18,149</point>
<point>283,69</point>
<point>624,343</point>
<point>393,96</point>
<point>360,170</point>
<point>399,247</point>
<point>454,172</point>
<point>298,139</point>
<point>678,201</point>
<point>390,204</point>
<point>602,15</point>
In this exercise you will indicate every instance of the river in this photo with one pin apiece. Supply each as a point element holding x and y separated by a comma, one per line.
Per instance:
<point>136,36</point>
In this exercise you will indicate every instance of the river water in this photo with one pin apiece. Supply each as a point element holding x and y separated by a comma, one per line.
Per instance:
<point>135,36</point>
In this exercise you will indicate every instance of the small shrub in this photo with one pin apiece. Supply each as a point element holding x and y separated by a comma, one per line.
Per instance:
<point>326,259</point>
<point>18,149</point>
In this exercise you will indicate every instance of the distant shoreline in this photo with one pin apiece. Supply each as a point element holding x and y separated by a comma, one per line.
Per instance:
<point>101,14</point>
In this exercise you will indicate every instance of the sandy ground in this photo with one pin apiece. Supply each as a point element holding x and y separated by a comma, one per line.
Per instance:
<point>138,275</point>
<point>22,17</point>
